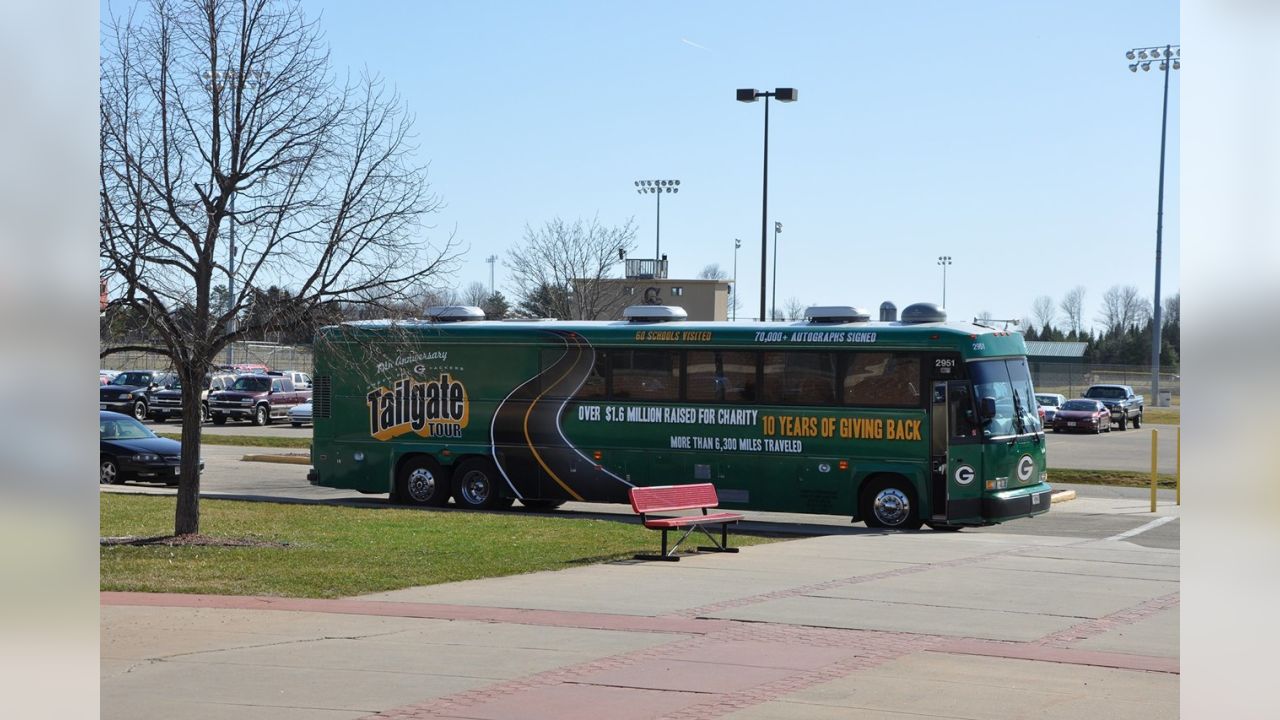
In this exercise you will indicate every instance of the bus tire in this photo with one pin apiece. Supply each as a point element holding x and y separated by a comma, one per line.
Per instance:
<point>890,502</point>
<point>540,505</point>
<point>476,484</point>
<point>422,482</point>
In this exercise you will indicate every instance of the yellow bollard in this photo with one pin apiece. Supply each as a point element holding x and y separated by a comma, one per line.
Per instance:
<point>1155,439</point>
<point>1177,478</point>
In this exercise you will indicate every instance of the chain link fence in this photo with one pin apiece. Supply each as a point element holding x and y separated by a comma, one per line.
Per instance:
<point>274,356</point>
<point>1071,379</point>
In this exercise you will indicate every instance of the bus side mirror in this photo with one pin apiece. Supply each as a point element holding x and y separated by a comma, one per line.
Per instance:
<point>988,408</point>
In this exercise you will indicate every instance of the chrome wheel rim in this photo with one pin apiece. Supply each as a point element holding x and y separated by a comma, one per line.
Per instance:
<point>108,473</point>
<point>891,506</point>
<point>475,488</point>
<point>422,485</point>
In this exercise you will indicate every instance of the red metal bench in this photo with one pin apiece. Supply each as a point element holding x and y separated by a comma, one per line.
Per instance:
<point>673,498</point>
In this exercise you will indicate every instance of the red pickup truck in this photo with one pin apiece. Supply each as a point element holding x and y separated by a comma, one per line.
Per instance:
<point>256,398</point>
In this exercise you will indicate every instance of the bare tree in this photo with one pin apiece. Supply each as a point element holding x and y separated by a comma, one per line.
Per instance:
<point>984,317</point>
<point>794,309</point>
<point>475,294</point>
<point>220,117</point>
<point>563,269</point>
<point>1044,312</point>
<point>1072,307</point>
<point>713,272</point>
<point>1123,308</point>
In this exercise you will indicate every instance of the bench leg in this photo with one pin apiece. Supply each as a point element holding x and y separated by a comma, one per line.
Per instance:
<point>669,556</point>
<point>723,545</point>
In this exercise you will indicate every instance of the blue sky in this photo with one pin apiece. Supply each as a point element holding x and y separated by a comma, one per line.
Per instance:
<point>1009,135</point>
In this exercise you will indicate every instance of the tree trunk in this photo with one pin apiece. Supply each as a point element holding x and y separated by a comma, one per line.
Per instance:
<point>187,515</point>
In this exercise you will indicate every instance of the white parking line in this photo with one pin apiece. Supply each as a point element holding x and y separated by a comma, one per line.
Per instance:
<point>1143,528</point>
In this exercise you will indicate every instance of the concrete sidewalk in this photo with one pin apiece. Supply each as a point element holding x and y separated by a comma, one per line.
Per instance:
<point>929,625</point>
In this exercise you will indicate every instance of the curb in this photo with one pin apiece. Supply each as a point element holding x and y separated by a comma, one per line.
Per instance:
<point>286,459</point>
<point>1060,496</point>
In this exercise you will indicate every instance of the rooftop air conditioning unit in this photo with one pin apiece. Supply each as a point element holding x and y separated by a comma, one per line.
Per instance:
<point>453,313</point>
<point>918,313</point>
<point>830,314</point>
<point>654,313</point>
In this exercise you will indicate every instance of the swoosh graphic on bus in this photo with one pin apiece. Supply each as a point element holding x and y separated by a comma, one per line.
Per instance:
<point>528,441</point>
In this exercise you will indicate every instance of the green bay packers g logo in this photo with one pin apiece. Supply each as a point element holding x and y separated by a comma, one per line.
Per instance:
<point>964,475</point>
<point>1025,467</point>
<point>432,408</point>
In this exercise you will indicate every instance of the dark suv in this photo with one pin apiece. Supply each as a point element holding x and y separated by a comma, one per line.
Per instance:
<point>256,398</point>
<point>131,392</point>
<point>168,403</point>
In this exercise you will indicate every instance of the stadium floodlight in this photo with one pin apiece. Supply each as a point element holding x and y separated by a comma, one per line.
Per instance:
<point>657,187</point>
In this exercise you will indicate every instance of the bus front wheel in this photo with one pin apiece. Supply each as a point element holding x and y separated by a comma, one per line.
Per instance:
<point>476,486</point>
<point>890,503</point>
<point>421,481</point>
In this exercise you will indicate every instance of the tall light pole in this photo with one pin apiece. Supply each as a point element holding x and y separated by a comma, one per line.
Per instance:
<point>736,244</point>
<point>773,301</point>
<point>657,188</point>
<point>492,260</point>
<point>751,95</point>
<point>944,261</point>
<point>1169,58</point>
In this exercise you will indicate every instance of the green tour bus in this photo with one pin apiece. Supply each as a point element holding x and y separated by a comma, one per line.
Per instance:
<point>896,423</point>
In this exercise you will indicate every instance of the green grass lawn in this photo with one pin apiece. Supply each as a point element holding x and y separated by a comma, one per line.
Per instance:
<point>247,440</point>
<point>339,551</point>
<point>1162,415</point>
<point>1121,478</point>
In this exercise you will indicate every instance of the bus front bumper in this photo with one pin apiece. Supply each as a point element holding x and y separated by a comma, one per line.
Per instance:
<point>1023,502</point>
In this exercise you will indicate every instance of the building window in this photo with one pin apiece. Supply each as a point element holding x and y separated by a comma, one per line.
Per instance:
<point>677,291</point>
<point>629,291</point>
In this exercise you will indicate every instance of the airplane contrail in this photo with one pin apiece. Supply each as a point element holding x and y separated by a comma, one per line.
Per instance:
<point>687,41</point>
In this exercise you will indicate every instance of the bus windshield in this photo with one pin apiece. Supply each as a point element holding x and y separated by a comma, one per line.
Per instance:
<point>1009,383</point>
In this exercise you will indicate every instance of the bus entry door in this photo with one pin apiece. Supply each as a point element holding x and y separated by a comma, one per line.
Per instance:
<point>938,435</point>
<point>964,453</point>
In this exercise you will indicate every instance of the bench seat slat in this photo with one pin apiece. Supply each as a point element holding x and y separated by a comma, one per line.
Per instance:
<point>713,518</point>
<point>671,498</point>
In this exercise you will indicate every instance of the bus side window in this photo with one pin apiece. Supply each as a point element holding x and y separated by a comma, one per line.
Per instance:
<point>596,385</point>
<point>727,376</point>
<point>882,378</point>
<point>800,377</point>
<point>646,374</point>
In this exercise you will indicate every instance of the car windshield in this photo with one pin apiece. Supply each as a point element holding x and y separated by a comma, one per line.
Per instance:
<point>1110,393</point>
<point>1008,382</point>
<point>252,384</point>
<point>1047,400</point>
<point>123,428</point>
<point>1086,405</point>
<point>132,378</point>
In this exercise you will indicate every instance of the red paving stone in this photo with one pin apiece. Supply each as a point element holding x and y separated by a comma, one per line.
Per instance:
<point>760,653</point>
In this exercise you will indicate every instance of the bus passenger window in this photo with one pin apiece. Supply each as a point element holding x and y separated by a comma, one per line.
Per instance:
<point>721,376</point>
<point>881,378</point>
<point>800,378</point>
<point>646,374</point>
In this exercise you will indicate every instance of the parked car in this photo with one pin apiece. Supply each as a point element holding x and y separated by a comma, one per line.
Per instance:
<point>256,398</point>
<point>128,450</point>
<point>1049,403</point>
<point>104,376</point>
<point>1124,404</point>
<point>168,403</point>
<point>300,415</point>
<point>1082,414</point>
<point>131,391</point>
<point>301,380</point>
<point>247,368</point>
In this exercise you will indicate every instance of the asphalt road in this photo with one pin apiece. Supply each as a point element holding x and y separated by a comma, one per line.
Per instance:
<point>1098,513</point>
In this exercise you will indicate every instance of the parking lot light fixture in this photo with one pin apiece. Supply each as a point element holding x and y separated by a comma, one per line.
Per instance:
<point>1166,55</point>
<point>751,95</point>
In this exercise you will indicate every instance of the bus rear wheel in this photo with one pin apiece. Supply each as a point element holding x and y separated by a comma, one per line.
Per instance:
<point>890,503</point>
<point>421,481</point>
<point>476,486</point>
